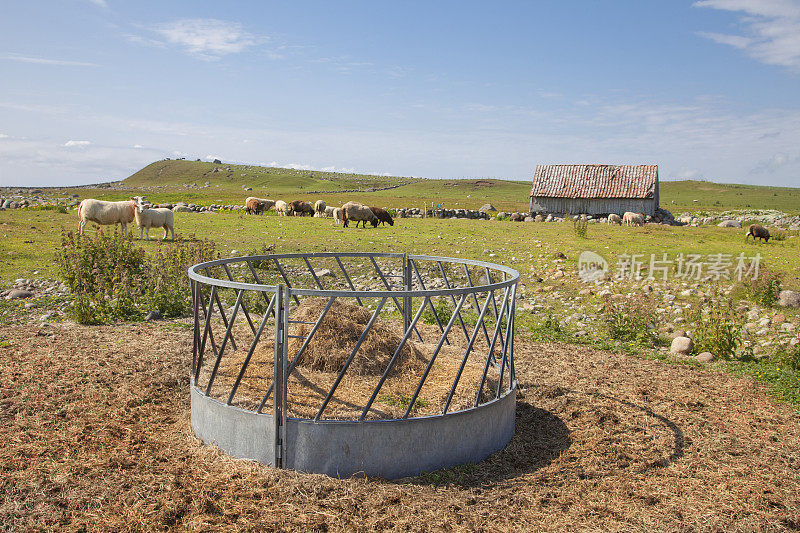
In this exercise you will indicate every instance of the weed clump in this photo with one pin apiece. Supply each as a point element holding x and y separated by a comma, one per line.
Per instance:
<point>631,321</point>
<point>113,279</point>
<point>763,290</point>
<point>717,328</point>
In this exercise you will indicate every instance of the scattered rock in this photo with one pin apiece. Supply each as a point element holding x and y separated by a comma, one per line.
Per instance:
<point>323,272</point>
<point>559,255</point>
<point>155,314</point>
<point>681,346</point>
<point>487,207</point>
<point>18,294</point>
<point>705,357</point>
<point>789,299</point>
<point>730,224</point>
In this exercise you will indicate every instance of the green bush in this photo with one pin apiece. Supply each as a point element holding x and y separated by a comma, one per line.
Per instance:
<point>580,226</point>
<point>113,279</point>
<point>632,321</point>
<point>790,357</point>
<point>717,328</point>
<point>763,290</point>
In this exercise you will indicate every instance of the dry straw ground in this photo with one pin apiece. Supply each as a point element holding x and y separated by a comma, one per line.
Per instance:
<point>94,426</point>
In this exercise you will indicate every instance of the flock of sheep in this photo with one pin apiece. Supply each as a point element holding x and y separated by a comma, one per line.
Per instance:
<point>351,211</point>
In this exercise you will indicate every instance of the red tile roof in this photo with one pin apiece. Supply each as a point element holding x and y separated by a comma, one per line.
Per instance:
<point>595,181</point>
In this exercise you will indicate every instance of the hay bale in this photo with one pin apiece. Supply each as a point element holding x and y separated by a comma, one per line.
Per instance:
<point>338,334</point>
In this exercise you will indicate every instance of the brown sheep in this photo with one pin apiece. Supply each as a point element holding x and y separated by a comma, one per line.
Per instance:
<point>383,215</point>
<point>757,231</point>
<point>302,208</point>
<point>252,206</point>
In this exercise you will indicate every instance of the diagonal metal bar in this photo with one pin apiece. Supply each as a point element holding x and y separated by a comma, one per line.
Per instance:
<point>350,358</point>
<point>453,299</point>
<point>252,349</point>
<point>222,314</point>
<point>349,281</point>
<point>244,306</point>
<point>208,333</point>
<point>475,299</point>
<point>494,302</point>
<point>313,274</point>
<point>433,357</point>
<point>509,332</point>
<point>490,354</point>
<point>227,336</point>
<point>389,288</point>
<point>466,355</point>
<point>285,279</point>
<point>391,362</point>
<point>257,280</point>
<point>302,348</point>
<point>430,303</point>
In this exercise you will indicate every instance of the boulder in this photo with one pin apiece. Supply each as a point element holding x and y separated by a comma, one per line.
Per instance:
<point>181,209</point>
<point>681,346</point>
<point>730,224</point>
<point>487,207</point>
<point>155,314</point>
<point>789,299</point>
<point>705,357</point>
<point>18,294</point>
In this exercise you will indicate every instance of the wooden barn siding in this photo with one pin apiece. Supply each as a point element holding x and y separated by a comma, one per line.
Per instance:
<point>593,206</point>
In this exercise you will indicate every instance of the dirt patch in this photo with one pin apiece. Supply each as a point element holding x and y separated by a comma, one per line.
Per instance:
<point>94,423</point>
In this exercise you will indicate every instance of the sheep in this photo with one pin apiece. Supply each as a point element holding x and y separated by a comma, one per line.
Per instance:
<point>105,213</point>
<point>757,231</point>
<point>302,208</point>
<point>517,217</point>
<point>153,218</point>
<point>256,206</point>
<point>283,209</point>
<point>614,218</point>
<point>359,213</point>
<point>632,219</point>
<point>338,214</point>
<point>329,211</point>
<point>319,208</point>
<point>383,216</point>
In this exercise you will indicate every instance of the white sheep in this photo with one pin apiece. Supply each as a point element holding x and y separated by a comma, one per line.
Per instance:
<point>338,215</point>
<point>283,209</point>
<point>632,219</point>
<point>614,218</point>
<point>359,213</point>
<point>147,218</point>
<point>329,211</point>
<point>105,213</point>
<point>319,208</point>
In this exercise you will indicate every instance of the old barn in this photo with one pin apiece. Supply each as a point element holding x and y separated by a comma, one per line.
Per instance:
<point>595,189</point>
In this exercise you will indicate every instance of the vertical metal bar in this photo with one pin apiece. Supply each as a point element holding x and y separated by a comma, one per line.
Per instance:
<point>302,349</point>
<point>349,282</point>
<point>227,336</point>
<point>350,358</point>
<point>490,353</point>
<point>278,379</point>
<point>430,303</point>
<point>433,357</point>
<point>453,299</point>
<point>406,287</point>
<point>389,287</point>
<point>509,330</point>
<point>466,355</point>
<point>391,363</point>
<point>196,328</point>
<point>251,350</point>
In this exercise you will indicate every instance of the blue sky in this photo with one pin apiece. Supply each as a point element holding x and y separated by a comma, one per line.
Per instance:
<point>92,90</point>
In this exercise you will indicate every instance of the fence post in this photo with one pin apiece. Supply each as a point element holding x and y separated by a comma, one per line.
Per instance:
<point>406,287</point>
<point>279,396</point>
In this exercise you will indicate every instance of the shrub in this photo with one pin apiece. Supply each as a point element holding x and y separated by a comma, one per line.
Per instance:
<point>789,356</point>
<point>580,226</point>
<point>717,328</point>
<point>631,321</point>
<point>763,290</point>
<point>113,279</point>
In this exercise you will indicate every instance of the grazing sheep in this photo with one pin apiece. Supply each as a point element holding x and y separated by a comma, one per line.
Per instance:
<point>302,209</point>
<point>757,231</point>
<point>517,217</point>
<point>359,213</point>
<point>153,218</point>
<point>105,213</point>
<point>383,216</point>
<point>632,219</point>
<point>319,208</point>
<point>329,211</point>
<point>256,206</point>
<point>338,215</point>
<point>283,209</point>
<point>614,218</point>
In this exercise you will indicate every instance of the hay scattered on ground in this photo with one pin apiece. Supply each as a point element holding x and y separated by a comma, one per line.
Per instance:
<point>94,425</point>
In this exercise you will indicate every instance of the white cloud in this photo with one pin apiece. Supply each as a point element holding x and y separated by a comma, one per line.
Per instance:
<point>207,38</point>
<point>3,136</point>
<point>137,146</point>
<point>101,3</point>
<point>213,157</point>
<point>44,61</point>
<point>77,143</point>
<point>771,27</point>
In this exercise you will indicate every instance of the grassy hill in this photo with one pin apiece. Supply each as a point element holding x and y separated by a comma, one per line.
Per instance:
<point>172,180</point>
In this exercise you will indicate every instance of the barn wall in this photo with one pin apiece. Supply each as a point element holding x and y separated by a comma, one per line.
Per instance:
<point>593,206</point>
